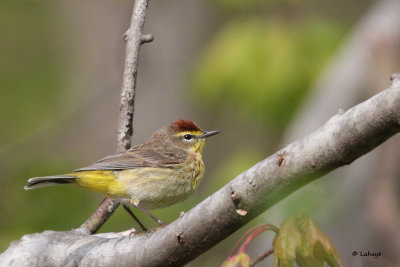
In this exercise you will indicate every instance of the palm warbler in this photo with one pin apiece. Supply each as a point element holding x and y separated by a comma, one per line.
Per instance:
<point>162,171</point>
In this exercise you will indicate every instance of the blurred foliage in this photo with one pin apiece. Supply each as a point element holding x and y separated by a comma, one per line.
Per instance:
<point>264,68</point>
<point>240,5</point>
<point>304,201</point>
<point>30,76</point>
<point>30,69</point>
<point>232,166</point>
<point>31,211</point>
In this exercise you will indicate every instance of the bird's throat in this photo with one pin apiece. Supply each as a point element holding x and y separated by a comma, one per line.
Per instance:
<point>198,146</point>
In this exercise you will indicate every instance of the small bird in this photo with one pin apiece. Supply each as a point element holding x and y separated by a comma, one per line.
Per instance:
<point>158,173</point>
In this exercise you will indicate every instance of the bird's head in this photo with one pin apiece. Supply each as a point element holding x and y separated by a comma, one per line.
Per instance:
<point>187,135</point>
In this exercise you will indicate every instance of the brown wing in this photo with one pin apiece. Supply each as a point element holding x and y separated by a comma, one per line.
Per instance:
<point>139,157</point>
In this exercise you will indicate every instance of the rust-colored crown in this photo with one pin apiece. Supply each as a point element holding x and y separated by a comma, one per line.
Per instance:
<point>185,125</point>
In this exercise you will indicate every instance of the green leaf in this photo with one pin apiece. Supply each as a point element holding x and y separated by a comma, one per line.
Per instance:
<point>300,240</point>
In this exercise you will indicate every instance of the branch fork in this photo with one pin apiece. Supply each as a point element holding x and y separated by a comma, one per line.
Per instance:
<point>134,38</point>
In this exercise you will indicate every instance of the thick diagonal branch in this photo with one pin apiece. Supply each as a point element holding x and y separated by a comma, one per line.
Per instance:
<point>344,138</point>
<point>134,38</point>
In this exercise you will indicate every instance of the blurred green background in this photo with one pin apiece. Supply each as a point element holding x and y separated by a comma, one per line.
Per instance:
<point>242,67</point>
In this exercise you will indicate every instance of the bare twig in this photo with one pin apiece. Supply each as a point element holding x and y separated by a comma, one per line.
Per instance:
<point>100,216</point>
<point>249,235</point>
<point>261,257</point>
<point>344,138</point>
<point>134,38</point>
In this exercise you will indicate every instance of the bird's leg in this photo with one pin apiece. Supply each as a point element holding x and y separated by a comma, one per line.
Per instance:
<point>136,204</point>
<point>160,222</point>
<point>134,217</point>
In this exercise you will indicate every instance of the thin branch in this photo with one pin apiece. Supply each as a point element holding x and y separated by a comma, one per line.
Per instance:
<point>258,228</point>
<point>134,37</point>
<point>100,216</point>
<point>261,257</point>
<point>344,138</point>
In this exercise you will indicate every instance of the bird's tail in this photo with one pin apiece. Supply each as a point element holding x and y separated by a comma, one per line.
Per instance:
<point>37,182</point>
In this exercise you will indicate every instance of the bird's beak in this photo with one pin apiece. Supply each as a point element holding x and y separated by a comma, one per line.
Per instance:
<point>208,134</point>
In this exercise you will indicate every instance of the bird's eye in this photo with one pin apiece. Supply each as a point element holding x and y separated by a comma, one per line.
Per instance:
<point>187,136</point>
